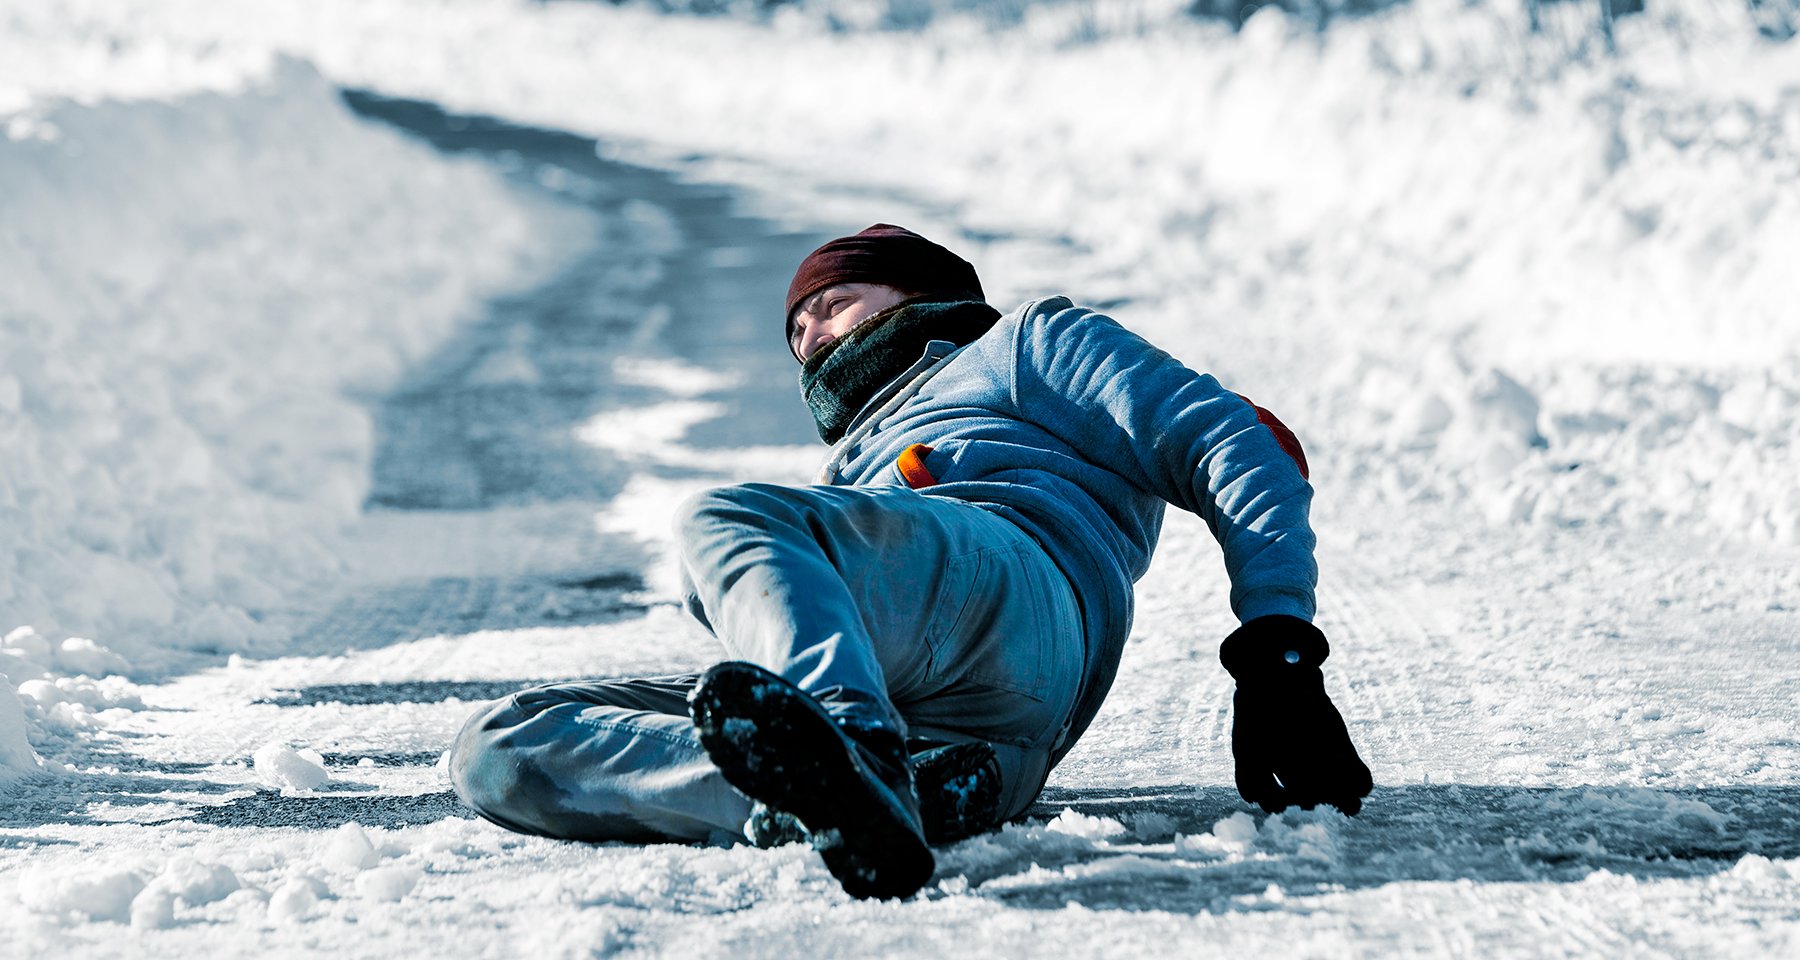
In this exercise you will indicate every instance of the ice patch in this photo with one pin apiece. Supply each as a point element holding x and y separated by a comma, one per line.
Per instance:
<point>509,366</point>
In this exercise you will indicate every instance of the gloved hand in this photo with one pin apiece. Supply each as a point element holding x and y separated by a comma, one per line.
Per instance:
<point>1290,743</point>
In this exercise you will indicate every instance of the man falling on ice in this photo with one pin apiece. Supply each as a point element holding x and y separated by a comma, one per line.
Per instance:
<point>918,639</point>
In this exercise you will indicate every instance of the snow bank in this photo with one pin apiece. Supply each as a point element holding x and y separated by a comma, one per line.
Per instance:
<point>190,292</point>
<point>1710,452</point>
<point>193,295</point>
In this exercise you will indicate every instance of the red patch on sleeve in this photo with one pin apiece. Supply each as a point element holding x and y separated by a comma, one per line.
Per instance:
<point>912,466</point>
<point>1290,444</point>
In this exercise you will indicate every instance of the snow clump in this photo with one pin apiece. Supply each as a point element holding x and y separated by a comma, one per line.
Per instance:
<point>281,767</point>
<point>349,849</point>
<point>17,759</point>
<point>41,702</point>
<point>296,899</point>
<point>104,894</point>
<point>388,884</point>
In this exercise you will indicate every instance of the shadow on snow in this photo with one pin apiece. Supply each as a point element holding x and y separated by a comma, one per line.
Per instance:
<point>1443,833</point>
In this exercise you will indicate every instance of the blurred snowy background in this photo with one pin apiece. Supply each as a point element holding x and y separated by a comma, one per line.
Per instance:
<point>352,351</point>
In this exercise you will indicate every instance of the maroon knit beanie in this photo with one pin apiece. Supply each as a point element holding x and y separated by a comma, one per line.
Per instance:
<point>885,254</point>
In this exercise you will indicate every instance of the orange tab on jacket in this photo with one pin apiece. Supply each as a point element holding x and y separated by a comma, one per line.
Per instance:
<point>912,466</point>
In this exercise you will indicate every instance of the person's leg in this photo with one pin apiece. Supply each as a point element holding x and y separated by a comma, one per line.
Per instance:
<point>768,570</point>
<point>1007,661</point>
<point>883,601</point>
<point>598,760</point>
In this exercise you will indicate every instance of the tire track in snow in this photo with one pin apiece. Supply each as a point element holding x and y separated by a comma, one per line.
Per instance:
<point>1380,637</point>
<point>1436,685</point>
<point>1204,727</point>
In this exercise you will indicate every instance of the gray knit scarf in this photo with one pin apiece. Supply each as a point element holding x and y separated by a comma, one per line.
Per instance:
<point>840,377</point>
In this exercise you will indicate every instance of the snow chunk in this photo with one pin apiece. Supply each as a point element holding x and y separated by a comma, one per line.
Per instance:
<point>153,908</point>
<point>295,900</point>
<point>1239,829</point>
<point>105,894</point>
<point>73,704</point>
<point>1303,835</point>
<point>349,849</point>
<point>281,767</point>
<point>1081,825</point>
<point>197,884</point>
<point>1311,839</point>
<point>17,759</point>
<point>387,883</point>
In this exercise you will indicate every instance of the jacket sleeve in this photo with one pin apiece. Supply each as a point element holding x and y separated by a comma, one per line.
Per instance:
<point>1130,408</point>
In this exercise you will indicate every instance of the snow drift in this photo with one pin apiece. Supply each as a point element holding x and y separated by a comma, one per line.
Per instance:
<point>191,292</point>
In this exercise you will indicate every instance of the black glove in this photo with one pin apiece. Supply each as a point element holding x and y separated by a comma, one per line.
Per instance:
<point>1290,743</point>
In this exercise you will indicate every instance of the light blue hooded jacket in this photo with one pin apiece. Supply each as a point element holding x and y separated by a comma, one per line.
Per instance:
<point>1079,431</point>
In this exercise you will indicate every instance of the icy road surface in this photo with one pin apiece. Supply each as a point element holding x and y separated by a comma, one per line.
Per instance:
<point>1584,739</point>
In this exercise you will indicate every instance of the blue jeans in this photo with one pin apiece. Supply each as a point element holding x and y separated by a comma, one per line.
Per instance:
<point>927,612</point>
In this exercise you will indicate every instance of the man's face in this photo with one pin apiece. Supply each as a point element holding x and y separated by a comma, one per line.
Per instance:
<point>834,311</point>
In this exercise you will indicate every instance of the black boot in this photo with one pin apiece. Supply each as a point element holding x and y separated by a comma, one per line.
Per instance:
<point>959,796</point>
<point>959,789</point>
<point>849,785</point>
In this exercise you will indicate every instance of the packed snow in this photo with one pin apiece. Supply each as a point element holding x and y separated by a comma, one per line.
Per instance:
<point>315,435</point>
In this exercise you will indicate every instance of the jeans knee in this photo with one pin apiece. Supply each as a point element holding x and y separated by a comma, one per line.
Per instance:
<point>714,507</point>
<point>484,771</point>
<point>725,518</point>
<point>515,771</point>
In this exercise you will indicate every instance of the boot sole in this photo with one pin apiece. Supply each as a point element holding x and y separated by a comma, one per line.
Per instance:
<point>777,745</point>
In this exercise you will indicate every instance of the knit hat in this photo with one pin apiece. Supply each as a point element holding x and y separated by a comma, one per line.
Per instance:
<point>888,255</point>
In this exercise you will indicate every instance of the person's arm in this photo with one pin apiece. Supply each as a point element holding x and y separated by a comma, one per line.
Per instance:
<point>1179,434</point>
<point>1130,407</point>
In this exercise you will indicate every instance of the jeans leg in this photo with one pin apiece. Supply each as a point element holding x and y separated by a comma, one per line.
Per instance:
<point>1007,661</point>
<point>927,607</point>
<point>600,760</point>
<point>767,566</point>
